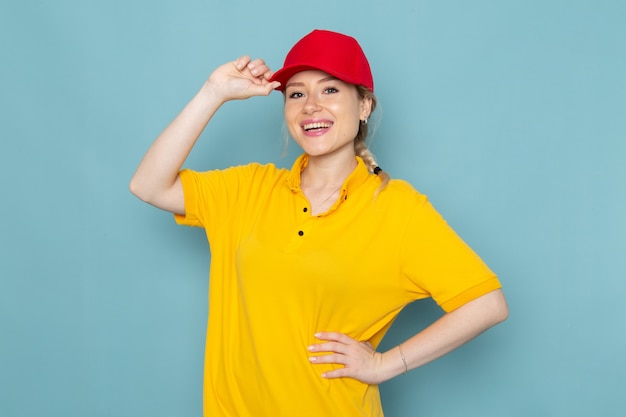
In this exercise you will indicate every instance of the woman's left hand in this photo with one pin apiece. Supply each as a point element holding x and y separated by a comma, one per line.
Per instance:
<point>359,359</point>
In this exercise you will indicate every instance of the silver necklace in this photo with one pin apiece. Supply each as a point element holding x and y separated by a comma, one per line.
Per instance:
<point>332,194</point>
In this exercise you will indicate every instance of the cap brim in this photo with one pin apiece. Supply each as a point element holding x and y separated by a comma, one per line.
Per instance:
<point>283,75</point>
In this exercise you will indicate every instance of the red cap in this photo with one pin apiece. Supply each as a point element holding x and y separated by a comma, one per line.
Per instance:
<point>334,53</point>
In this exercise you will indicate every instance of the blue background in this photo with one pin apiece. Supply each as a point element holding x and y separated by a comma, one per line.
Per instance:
<point>510,115</point>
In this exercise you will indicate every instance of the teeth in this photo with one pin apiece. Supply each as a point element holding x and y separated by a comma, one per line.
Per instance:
<point>319,125</point>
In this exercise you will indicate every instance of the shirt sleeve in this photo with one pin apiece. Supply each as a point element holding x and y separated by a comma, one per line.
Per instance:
<point>437,261</point>
<point>211,195</point>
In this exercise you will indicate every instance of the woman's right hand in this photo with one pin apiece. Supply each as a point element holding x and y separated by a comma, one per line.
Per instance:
<point>241,79</point>
<point>156,180</point>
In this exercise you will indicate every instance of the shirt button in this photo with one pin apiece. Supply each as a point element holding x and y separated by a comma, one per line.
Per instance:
<point>305,209</point>
<point>300,233</point>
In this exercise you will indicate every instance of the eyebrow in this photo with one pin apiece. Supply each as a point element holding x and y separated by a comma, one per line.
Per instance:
<point>321,80</point>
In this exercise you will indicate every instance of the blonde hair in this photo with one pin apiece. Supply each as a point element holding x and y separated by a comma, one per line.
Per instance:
<point>360,143</point>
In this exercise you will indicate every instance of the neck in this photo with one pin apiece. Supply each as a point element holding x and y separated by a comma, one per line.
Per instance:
<point>324,172</point>
<point>321,181</point>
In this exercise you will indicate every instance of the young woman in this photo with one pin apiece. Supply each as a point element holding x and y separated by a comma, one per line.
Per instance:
<point>310,266</point>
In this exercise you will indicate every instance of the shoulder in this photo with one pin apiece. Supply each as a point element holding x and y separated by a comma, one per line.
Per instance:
<point>266,174</point>
<point>235,180</point>
<point>254,167</point>
<point>250,171</point>
<point>399,191</point>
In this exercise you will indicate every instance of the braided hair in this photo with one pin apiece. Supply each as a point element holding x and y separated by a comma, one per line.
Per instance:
<point>360,145</point>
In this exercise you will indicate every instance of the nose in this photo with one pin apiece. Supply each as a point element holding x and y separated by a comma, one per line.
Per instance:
<point>311,104</point>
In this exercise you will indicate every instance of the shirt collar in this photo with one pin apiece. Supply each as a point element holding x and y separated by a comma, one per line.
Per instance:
<point>354,180</point>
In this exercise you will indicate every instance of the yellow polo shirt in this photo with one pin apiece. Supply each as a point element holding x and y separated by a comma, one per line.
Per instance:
<point>279,275</point>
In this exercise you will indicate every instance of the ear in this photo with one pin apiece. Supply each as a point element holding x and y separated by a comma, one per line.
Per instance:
<point>366,108</point>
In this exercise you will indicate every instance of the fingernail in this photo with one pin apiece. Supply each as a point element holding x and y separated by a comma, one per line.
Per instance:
<point>311,348</point>
<point>324,375</point>
<point>313,358</point>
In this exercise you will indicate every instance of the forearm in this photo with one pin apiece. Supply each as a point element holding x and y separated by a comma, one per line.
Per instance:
<point>446,334</point>
<point>158,170</point>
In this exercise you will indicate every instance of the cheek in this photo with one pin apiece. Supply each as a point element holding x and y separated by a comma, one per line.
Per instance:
<point>351,117</point>
<point>289,113</point>
<point>290,121</point>
<point>290,118</point>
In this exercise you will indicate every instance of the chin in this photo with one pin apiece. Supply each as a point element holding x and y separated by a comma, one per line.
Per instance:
<point>314,150</point>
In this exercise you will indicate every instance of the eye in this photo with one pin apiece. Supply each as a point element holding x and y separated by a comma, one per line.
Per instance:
<point>295,94</point>
<point>330,90</point>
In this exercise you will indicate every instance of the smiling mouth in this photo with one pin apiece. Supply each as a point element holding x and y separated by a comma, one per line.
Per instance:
<point>316,126</point>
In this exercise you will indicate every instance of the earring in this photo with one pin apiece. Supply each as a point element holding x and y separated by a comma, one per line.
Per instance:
<point>364,121</point>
